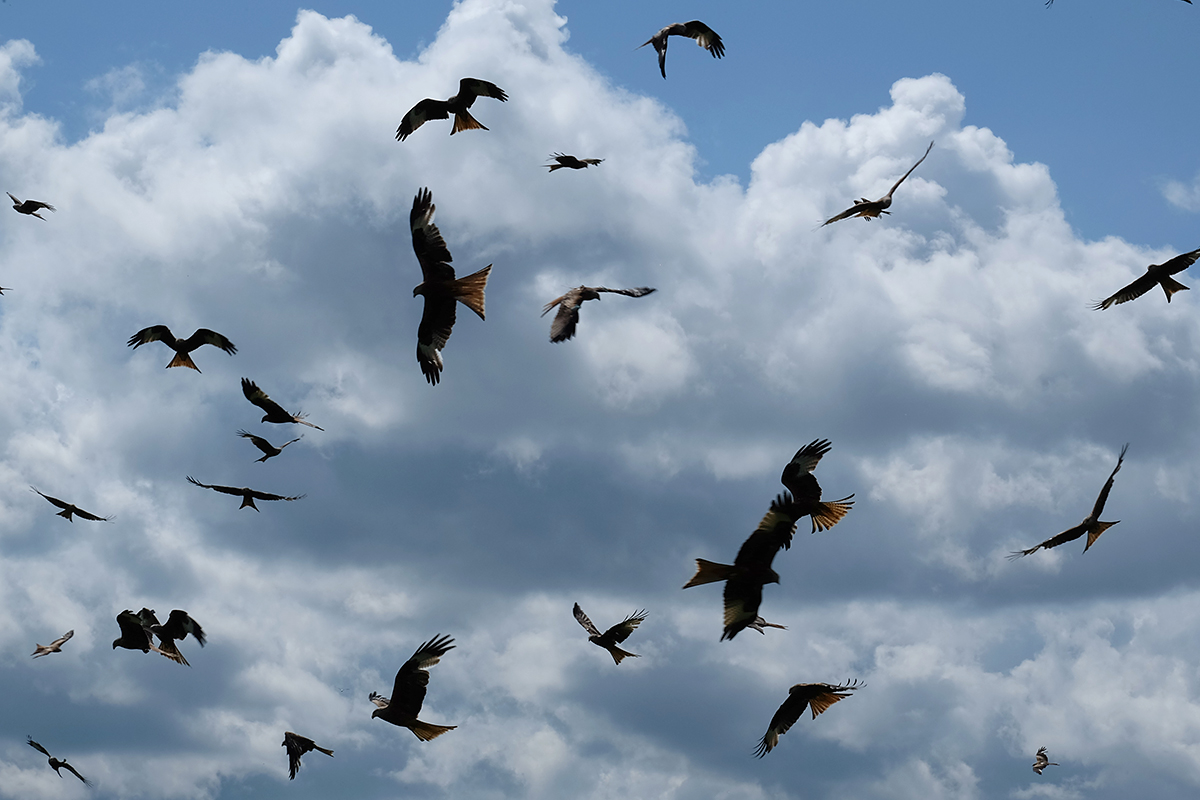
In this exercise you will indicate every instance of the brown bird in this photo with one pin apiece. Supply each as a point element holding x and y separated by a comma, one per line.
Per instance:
<point>53,647</point>
<point>567,318</point>
<point>265,446</point>
<point>1091,524</point>
<point>275,412</point>
<point>798,478</point>
<point>297,746</point>
<point>68,509</point>
<point>442,292</point>
<point>873,208</point>
<point>705,36</point>
<point>817,696</point>
<point>614,635</point>
<point>571,162</point>
<point>179,624</point>
<point>248,495</point>
<point>136,635</point>
<point>30,207</point>
<point>55,763</point>
<point>1041,759</point>
<point>182,347</point>
<point>427,109</point>
<point>408,692</point>
<point>1155,273</point>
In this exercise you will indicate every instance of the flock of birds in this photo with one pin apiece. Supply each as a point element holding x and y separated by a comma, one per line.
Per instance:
<point>744,579</point>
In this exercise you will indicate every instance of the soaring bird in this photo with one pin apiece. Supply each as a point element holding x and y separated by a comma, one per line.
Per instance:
<point>567,318</point>
<point>297,746</point>
<point>182,347</point>
<point>53,647</point>
<point>572,162</point>
<point>1155,273</point>
<point>751,569</point>
<point>409,691</point>
<point>441,290</point>
<point>1041,760</point>
<point>1091,524</point>
<point>68,509</point>
<point>798,478</point>
<point>179,624</point>
<point>136,635</point>
<point>873,208</point>
<point>427,109</point>
<point>817,696</point>
<point>55,763</point>
<point>248,495</point>
<point>614,635</point>
<point>275,412</point>
<point>30,207</point>
<point>705,36</point>
<point>265,446</point>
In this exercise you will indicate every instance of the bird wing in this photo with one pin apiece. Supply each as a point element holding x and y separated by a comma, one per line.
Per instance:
<point>29,739</point>
<point>60,641</point>
<point>221,489</point>
<point>774,531</point>
<point>742,596</point>
<point>296,746</point>
<point>259,442</point>
<point>620,632</point>
<point>155,333</point>
<point>583,620</point>
<point>54,500</point>
<point>132,627</point>
<point>910,171</point>
<point>379,700</point>
<point>705,36</point>
<point>1098,509</point>
<point>640,291</point>
<point>437,323</point>
<point>563,326</point>
<point>180,624</point>
<point>419,114</point>
<point>205,336</point>
<point>257,495</point>
<point>858,208</point>
<point>74,772</point>
<point>408,692</point>
<point>1069,535</point>
<point>1180,263</point>
<point>471,88</point>
<point>797,475</point>
<point>1131,292</point>
<point>428,244</point>
<point>79,512</point>
<point>822,695</point>
<point>259,398</point>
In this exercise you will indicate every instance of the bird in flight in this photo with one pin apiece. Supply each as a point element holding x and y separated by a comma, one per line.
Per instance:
<point>705,36</point>
<point>248,495</point>
<point>1091,524</point>
<point>441,290</point>
<point>136,635</point>
<point>1155,273</point>
<point>265,446</point>
<point>4,289</point>
<point>55,763</point>
<point>53,647</point>
<point>873,208</point>
<point>614,635</point>
<point>408,692</point>
<point>275,412</point>
<point>571,162</point>
<point>427,109</point>
<point>817,696</point>
<point>68,510</point>
<point>567,318</point>
<point>182,347</point>
<point>1041,760</point>
<point>30,207</point>
<point>798,478</point>
<point>178,626</point>
<point>297,746</point>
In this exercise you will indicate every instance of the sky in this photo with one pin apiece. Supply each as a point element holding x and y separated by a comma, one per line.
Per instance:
<point>235,168</point>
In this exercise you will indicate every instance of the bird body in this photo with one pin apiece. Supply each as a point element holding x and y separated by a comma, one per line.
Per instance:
<point>30,207</point>
<point>1155,274</point>
<point>182,347</point>
<point>1041,760</point>
<point>247,494</point>
<point>867,209</point>
<point>571,162</point>
<point>53,647</point>
<point>563,326</point>
<point>468,90</point>
<point>137,634</point>
<point>408,691</point>
<point>817,696</point>
<point>614,635</point>
<point>69,510</point>
<point>55,763</point>
<point>705,37</point>
<point>265,446</point>
<point>806,492</point>
<point>275,412</point>
<point>297,746</point>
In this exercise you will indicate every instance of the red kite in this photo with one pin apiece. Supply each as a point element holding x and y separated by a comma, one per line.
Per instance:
<point>817,696</point>
<point>136,635</point>
<point>1155,274</point>
<point>427,109</point>
<point>182,347</point>
<point>275,412</point>
<point>571,162</point>
<point>297,746</point>
<point>265,446</point>
<point>55,763</point>
<point>68,509</point>
<point>563,327</point>
<point>248,495</point>
<point>873,208</point>
<point>798,478</point>
<point>53,647</point>
<point>408,692</point>
<point>705,36</point>
<point>30,207</point>
<point>1041,760</point>
<point>614,635</point>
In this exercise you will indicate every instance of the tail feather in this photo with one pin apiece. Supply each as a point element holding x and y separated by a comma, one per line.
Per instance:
<point>830,513</point>
<point>463,121</point>
<point>427,730</point>
<point>709,572</point>
<point>183,360</point>
<point>1171,286</point>
<point>619,655</point>
<point>469,290</point>
<point>1093,535</point>
<point>322,749</point>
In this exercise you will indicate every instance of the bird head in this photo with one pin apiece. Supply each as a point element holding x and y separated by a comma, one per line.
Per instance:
<point>375,713</point>
<point>774,577</point>
<point>114,647</point>
<point>419,289</point>
<point>264,419</point>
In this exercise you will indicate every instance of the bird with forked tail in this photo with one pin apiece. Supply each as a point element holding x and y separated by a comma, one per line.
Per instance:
<point>614,635</point>
<point>1155,274</point>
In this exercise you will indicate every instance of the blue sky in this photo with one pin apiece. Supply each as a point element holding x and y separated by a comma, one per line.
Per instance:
<point>236,169</point>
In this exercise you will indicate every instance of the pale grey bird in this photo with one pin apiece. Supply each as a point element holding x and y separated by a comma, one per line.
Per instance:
<point>563,326</point>
<point>873,208</point>
<point>705,36</point>
<point>53,647</point>
<point>30,207</point>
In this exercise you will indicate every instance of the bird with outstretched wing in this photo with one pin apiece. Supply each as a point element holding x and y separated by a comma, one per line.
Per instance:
<point>55,763</point>
<point>69,509</point>
<point>275,412</point>
<point>247,494</point>
<point>614,635</point>
<point>265,446</point>
<point>53,647</point>
<point>705,37</point>
<point>1041,760</point>
<point>30,207</point>
<point>1156,274</point>
<point>806,492</point>
<point>817,696</point>
<point>408,691</point>
<point>867,209</point>
<point>468,90</point>
<point>563,326</point>
<point>182,347</point>
<point>571,162</point>
<point>297,746</point>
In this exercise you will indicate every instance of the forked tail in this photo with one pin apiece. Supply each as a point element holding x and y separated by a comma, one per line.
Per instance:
<point>427,730</point>
<point>1093,535</point>
<point>469,290</point>
<point>709,572</point>
<point>463,121</point>
<point>183,360</point>
<point>619,655</point>
<point>1171,286</point>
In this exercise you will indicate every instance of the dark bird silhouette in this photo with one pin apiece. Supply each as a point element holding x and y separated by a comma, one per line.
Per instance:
<point>705,36</point>
<point>751,569</point>
<point>614,635</point>
<point>53,647</point>
<point>571,162</point>
<point>441,290</point>
<point>567,318</point>
<point>136,635</point>
<point>873,208</point>
<point>427,109</point>
<point>408,692</point>
<point>68,510</point>
<point>268,448</point>
<point>817,696</point>
<point>1041,760</point>
<point>179,624</point>
<point>30,207</point>
<point>182,347</point>
<point>798,478</point>
<point>1155,274</point>
<point>4,289</point>
<point>55,763</point>
<point>297,746</point>
<point>275,412</point>
<point>248,495</point>
<point>1091,524</point>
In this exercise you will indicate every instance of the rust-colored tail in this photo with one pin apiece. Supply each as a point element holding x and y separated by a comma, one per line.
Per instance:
<point>619,655</point>
<point>463,121</point>
<point>322,749</point>
<point>1094,534</point>
<point>183,360</point>
<point>427,730</point>
<point>1170,286</point>
<point>709,572</point>
<point>829,514</point>
<point>469,290</point>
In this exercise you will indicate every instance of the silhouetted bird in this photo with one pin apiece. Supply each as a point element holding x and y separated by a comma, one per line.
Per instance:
<point>1155,274</point>
<point>427,109</point>
<point>182,347</point>
<point>68,509</point>
<point>441,290</point>
<point>275,412</point>
<point>1041,759</point>
<point>4,289</point>
<point>136,635</point>
<point>1091,524</point>
<point>571,162</point>
<point>248,495</point>
<point>614,635</point>
<point>179,624</point>
<point>873,208</point>
<point>705,36</point>
<point>817,696</point>
<point>265,446</point>
<point>806,492</point>
<point>408,692</point>
<point>567,318</point>
<point>53,647</point>
<point>297,746</point>
<point>56,763</point>
<point>30,207</point>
